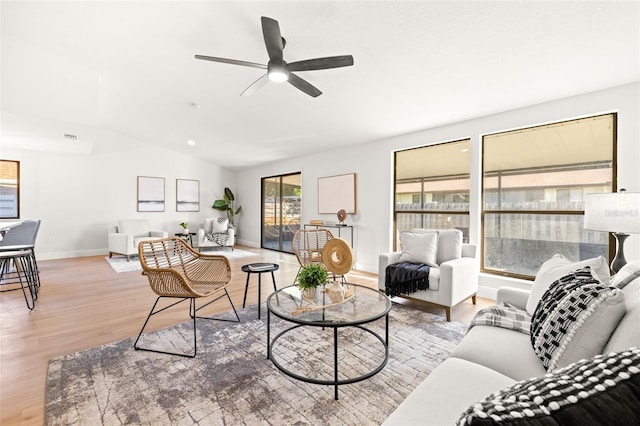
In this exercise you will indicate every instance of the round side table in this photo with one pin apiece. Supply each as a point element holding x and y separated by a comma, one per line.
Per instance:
<point>187,237</point>
<point>259,268</point>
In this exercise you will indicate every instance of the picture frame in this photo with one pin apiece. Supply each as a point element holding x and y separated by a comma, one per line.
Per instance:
<point>10,194</point>
<point>150,194</point>
<point>336,193</point>
<point>187,195</point>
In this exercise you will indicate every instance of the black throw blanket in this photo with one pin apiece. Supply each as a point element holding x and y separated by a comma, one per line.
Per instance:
<point>406,278</point>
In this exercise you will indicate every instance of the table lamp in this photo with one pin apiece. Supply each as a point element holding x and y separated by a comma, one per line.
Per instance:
<point>617,212</point>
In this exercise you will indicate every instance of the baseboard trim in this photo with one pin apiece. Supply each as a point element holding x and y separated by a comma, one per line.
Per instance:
<point>69,254</point>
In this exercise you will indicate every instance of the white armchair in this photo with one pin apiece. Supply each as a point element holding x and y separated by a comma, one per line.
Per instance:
<point>453,275</point>
<point>216,232</point>
<point>124,238</point>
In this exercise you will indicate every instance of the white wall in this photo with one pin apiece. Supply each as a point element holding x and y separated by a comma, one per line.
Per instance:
<point>78,196</point>
<point>373,164</point>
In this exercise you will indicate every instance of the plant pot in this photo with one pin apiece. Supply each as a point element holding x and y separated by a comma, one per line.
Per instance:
<point>185,231</point>
<point>310,293</point>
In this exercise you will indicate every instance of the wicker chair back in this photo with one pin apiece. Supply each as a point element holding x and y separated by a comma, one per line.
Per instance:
<point>307,245</point>
<point>174,269</point>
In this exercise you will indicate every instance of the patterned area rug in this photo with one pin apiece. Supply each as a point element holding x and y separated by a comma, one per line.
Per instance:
<point>120,264</point>
<point>231,382</point>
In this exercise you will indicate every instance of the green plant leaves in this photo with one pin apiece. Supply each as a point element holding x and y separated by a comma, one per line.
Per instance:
<point>228,194</point>
<point>221,205</point>
<point>312,275</point>
<point>226,205</point>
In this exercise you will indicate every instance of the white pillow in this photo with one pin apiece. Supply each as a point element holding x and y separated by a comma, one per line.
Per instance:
<point>449,243</point>
<point>419,248</point>
<point>559,266</point>
<point>220,225</point>
<point>626,274</point>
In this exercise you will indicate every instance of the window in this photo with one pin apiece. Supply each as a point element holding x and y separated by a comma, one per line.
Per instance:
<point>9,189</point>
<point>432,187</point>
<point>534,182</point>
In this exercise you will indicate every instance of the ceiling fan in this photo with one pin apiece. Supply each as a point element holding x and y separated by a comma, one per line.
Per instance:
<point>277,69</point>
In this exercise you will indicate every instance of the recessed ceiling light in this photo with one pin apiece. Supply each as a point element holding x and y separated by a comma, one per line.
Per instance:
<point>191,142</point>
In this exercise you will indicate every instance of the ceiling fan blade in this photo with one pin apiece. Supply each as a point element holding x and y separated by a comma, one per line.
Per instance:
<point>255,86</point>
<point>322,63</point>
<point>304,85</point>
<point>231,61</point>
<point>272,38</point>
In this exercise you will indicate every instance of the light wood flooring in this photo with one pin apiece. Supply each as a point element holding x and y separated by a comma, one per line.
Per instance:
<point>83,303</point>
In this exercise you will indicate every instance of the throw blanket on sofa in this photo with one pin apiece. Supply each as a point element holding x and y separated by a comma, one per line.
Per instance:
<point>503,315</point>
<point>220,238</point>
<point>406,278</point>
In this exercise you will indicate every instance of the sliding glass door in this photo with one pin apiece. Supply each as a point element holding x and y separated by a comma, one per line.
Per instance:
<point>281,196</point>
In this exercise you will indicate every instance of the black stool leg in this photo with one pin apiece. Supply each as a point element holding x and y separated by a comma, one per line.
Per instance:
<point>246,287</point>
<point>259,291</point>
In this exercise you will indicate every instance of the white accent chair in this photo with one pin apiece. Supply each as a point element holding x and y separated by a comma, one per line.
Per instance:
<point>453,276</point>
<point>124,238</point>
<point>214,225</point>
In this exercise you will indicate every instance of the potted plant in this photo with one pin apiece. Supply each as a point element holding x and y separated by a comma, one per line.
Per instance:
<point>185,227</point>
<point>226,205</point>
<point>310,277</point>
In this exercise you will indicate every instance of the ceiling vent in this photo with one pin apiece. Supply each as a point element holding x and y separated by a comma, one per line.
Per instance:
<point>70,137</point>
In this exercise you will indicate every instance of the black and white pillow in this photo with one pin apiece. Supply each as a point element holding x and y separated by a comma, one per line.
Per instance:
<point>603,390</point>
<point>575,318</point>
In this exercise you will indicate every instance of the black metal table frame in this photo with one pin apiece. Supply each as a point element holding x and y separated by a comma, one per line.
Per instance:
<point>335,382</point>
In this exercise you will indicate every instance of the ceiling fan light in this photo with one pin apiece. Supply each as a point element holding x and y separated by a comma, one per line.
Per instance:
<point>278,73</point>
<point>278,76</point>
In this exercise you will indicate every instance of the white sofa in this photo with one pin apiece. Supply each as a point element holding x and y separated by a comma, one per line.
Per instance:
<point>124,238</point>
<point>453,276</point>
<point>490,359</point>
<point>224,234</point>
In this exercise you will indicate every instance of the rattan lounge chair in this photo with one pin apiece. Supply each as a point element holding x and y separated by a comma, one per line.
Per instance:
<point>307,245</point>
<point>177,271</point>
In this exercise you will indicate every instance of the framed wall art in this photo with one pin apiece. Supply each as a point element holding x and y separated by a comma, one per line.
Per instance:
<point>337,193</point>
<point>10,189</point>
<point>187,195</point>
<point>150,194</point>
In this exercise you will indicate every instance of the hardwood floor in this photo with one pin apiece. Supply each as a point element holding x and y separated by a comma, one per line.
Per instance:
<point>83,303</point>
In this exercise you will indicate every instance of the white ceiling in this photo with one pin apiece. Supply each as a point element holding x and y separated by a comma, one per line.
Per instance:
<point>94,68</point>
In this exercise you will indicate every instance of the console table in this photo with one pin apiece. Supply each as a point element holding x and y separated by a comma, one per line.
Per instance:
<point>336,226</point>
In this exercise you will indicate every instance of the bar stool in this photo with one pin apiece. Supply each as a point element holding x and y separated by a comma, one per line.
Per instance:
<point>25,271</point>
<point>23,235</point>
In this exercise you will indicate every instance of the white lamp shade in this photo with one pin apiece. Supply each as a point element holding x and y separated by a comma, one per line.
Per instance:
<point>616,212</point>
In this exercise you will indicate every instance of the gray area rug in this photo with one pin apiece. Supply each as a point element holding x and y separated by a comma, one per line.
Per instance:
<point>231,382</point>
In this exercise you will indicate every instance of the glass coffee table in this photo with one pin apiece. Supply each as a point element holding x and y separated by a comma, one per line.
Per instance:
<point>366,306</point>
